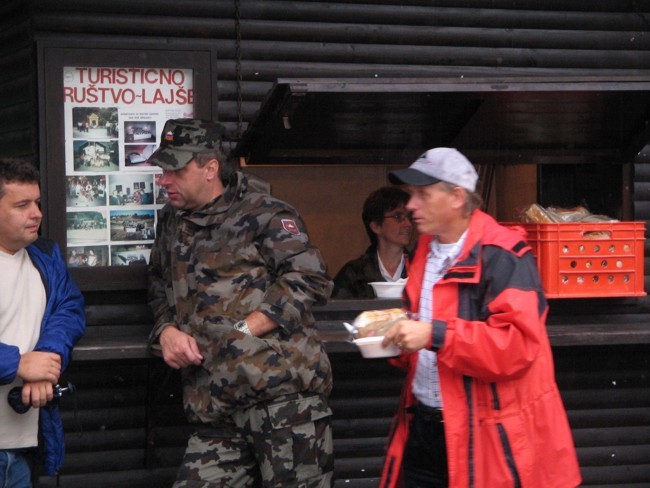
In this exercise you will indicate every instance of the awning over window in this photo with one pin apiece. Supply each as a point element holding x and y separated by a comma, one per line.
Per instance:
<point>541,120</point>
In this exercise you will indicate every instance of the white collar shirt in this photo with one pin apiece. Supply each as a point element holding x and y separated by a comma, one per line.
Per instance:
<point>426,383</point>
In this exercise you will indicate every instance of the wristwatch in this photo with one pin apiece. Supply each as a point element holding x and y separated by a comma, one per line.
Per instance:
<point>242,326</point>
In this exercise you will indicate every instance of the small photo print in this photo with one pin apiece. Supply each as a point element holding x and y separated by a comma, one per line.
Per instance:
<point>130,255</point>
<point>140,131</point>
<point>161,193</point>
<point>83,227</point>
<point>85,191</point>
<point>86,256</point>
<point>95,156</point>
<point>95,123</point>
<point>137,154</point>
<point>132,225</point>
<point>130,189</point>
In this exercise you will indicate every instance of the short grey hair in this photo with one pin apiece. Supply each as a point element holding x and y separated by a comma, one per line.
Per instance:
<point>472,202</point>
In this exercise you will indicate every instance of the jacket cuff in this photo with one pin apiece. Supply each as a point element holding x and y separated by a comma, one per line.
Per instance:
<point>10,362</point>
<point>154,336</point>
<point>439,330</point>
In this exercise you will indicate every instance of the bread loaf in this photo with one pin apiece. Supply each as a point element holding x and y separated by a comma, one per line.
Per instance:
<point>537,214</point>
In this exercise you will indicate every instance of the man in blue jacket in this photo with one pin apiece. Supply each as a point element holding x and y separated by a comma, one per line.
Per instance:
<point>41,319</point>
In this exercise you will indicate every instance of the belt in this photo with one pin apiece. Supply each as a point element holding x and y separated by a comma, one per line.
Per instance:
<point>430,414</point>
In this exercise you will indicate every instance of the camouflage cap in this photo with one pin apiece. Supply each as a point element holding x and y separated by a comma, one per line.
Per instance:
<point>182,139</point>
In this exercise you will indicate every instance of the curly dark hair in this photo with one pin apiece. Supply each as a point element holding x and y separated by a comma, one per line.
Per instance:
<point>17,170</point>
<point>379,202</point>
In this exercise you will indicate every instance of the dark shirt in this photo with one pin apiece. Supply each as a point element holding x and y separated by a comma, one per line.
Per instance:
<point>353,278</point>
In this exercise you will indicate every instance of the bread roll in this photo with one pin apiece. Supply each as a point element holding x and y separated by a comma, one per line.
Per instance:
<point>376,322</point>
<point>597,235</point>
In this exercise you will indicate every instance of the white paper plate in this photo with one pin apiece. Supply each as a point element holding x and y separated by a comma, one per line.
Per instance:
<point>370,347</point>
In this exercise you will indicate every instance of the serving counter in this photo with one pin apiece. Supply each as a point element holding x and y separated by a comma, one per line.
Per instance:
<point>606,323</point>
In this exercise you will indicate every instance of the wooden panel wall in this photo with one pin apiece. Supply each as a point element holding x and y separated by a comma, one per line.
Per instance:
<point>376,38</point>
<point>606,392</point>
<point>18,123</point>
<point>125,426</point>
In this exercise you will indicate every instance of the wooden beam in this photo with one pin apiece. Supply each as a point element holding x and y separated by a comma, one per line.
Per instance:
<point>469,84</point>
<point>407,156</point>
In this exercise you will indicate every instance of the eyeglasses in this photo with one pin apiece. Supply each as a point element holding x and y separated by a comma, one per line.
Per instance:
<point>399,217</point>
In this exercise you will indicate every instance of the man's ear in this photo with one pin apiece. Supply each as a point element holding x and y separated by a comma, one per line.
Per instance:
<point>212,169</point>
<point>460,197</point>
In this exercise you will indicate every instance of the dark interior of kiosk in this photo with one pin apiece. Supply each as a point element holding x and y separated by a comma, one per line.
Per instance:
<point>579,132</point>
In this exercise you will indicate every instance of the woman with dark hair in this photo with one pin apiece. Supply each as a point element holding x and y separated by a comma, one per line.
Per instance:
<point>389,228</point>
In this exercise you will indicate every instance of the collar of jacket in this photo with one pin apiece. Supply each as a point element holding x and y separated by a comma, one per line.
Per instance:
<point>483,229</point>
<point>467,267</point>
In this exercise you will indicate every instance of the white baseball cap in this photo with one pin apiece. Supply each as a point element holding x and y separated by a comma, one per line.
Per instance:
<point>436,165</point>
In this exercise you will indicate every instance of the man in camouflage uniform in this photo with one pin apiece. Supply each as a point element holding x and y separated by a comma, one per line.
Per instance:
<point>233,278</point>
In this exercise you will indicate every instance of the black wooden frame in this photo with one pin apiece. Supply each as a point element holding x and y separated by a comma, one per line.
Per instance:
<point>52,56</point>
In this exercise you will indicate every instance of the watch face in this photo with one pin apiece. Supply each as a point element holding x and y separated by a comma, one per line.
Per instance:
<point>242,326</point>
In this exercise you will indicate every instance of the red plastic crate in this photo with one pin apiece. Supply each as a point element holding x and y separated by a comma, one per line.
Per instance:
<point>574,264</point>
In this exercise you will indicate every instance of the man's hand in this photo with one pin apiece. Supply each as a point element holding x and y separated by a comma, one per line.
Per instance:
<point>408,335</point>
<point>179,349</point>
<point>40,366</point>
<point>37,393</point>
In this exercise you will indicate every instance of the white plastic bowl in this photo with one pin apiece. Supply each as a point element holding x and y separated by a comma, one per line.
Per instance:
<point>388,289</point>
<point>370,347</point>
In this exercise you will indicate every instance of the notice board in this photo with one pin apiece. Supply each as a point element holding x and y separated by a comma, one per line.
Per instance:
<point>102,109</point>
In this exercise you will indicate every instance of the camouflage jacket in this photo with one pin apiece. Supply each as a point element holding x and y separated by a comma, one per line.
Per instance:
<point>353,278</point>
<point>209,268</point>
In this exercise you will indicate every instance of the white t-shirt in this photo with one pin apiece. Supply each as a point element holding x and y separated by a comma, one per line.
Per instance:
<point>22,305</point>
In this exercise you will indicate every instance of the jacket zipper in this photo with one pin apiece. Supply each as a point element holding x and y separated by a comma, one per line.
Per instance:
<point>505,443</point>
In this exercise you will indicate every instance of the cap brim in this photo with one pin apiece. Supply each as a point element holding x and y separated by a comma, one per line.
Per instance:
<point>410,176</point>
<point>170,159</point>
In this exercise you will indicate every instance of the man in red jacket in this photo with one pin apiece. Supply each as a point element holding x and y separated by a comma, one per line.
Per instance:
<point>480,407</point>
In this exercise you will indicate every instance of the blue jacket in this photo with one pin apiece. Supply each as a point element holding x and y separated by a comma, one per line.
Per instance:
<point>64,322</point>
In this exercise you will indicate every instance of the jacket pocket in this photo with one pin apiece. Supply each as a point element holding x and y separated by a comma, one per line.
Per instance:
<point>237,371</point>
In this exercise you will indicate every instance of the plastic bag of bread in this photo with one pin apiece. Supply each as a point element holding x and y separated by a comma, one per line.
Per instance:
<point>575,214</point>
<point>536,214</point>
<point>373,323</point>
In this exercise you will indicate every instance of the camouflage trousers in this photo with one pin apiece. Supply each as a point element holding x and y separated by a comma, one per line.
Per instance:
<point>286,442</point>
